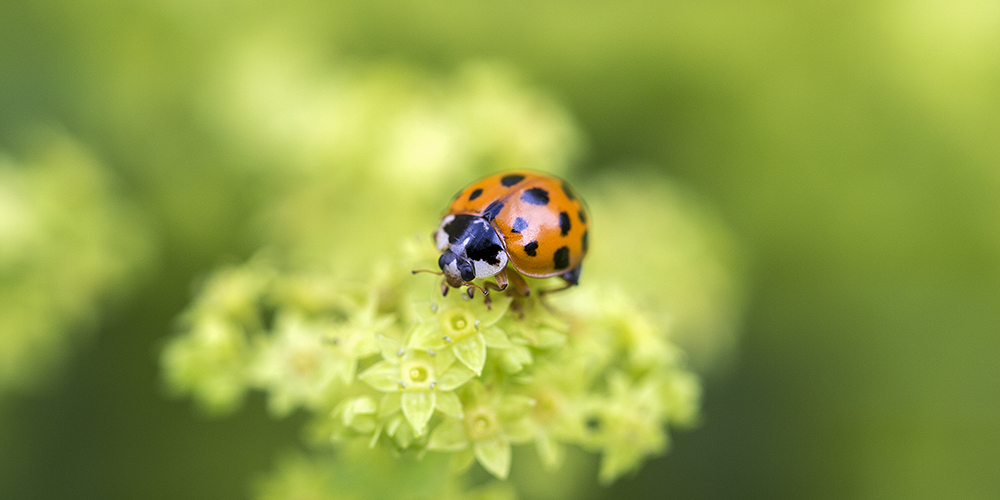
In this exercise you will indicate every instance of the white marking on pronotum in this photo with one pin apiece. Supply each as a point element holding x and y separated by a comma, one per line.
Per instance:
<point>441,237</point>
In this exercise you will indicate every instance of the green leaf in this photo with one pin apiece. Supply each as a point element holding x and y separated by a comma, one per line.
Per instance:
<point>418,408</point>
<point>448,436</point>
<point>471,352</point>
<point>494,455</point>
<point>382,376</point>
<point>454,378</point>
<point>449,404</point>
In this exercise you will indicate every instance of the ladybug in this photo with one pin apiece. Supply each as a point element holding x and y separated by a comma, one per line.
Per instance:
<point>530,221</point>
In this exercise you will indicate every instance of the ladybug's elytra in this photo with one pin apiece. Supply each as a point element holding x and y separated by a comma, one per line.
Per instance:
<point>532,221</point>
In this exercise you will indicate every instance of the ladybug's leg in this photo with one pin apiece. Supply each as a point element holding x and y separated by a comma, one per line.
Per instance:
<point>520,286</point>
<point>501,281</point>
<point>500,285</point>
<point>571,278</point>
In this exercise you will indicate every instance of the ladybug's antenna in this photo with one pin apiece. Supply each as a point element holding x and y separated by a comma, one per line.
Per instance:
<point>418,271</point>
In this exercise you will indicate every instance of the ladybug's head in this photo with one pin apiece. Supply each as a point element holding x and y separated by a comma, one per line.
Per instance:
<point>457,270</point>
<point>470,248</point>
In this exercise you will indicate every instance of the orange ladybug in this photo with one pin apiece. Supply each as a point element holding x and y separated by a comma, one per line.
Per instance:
<point>530,221</point>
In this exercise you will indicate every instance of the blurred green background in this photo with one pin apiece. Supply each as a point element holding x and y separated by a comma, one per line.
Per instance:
<point>852,147</point>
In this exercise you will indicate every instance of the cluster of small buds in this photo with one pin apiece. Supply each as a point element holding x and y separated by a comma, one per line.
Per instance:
<point>395,365</point>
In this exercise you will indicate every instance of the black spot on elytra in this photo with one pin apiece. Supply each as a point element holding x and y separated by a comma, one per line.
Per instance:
<point>569,191</point>
<point>583,241</point>
<point>475,194</point>
<point>519,225</point>
<point>535,196</point>
<point>582,215</point>
<point>561,258</point>
<point>492,210</point>
<point>510,180</point>
<point>564,224</point>
<point>530,248</point>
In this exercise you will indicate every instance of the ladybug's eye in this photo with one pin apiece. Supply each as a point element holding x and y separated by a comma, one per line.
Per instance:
<point>468,274</point>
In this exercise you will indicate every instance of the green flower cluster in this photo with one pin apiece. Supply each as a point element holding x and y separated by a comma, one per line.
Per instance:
<point>389,362</point>
<point>66,242</point>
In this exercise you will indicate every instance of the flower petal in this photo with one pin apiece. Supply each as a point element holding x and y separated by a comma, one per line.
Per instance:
<point>472,352</point>
<point>418,408</point>
<point>425,336</point>
<point>443,359</point>
<point>550,451</point>
<point>390,348</point>
<point>489,316</point>
<point>494,455</point>
<point>496,338</point>
<point>462,460</point>
<point>448,436</point>
<point>519,431</point>
<point>382,376</point>
<point>449,404</point>
<point>514,360</point>
<point>454,378</point>
<point>390,404</point>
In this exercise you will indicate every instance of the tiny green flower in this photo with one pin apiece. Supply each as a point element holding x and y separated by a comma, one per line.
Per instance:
<point>627,425</point>
<point>681,396</point>
<point>423,380</point>
<point>298,366</point>
<point>538,327</point>
<point>462,326</point>
<point>358,414</point>
<point>235,293</point>
<point>493,420</point>
<point>554,420</point>
<point>210,362</point>
<point>357,337</point>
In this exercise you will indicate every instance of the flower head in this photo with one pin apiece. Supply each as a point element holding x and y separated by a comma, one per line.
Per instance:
<point>417,381</point>
<point>493,420</point>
